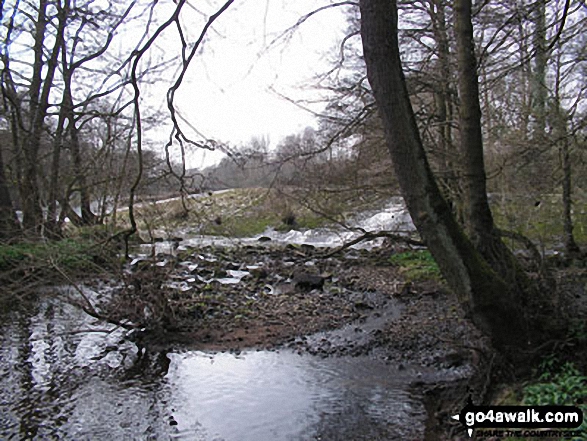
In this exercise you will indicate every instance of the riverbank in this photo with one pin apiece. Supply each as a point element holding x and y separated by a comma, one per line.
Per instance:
<point>388,304</point>
<point>385,305</point>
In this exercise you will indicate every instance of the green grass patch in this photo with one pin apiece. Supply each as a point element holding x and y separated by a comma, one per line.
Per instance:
<point>69,255</point>
<point>241,226</point>
<point>417,266</point>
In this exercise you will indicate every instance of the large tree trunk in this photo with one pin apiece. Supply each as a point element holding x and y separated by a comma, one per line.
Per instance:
<point>478,217</point>
<point>492,304</point>
<point>39,94</point>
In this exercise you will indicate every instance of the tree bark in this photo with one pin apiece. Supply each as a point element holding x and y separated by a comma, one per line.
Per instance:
<point>87,216</point>
<point>444,102</point>
<point>39,93</point>
<point>29,190</point>
<point>444,98</point>
<point>492,304</point>
<point>9,227</point>
<point>478,217</point>
<point>569,238</point>
<point>539,89</point>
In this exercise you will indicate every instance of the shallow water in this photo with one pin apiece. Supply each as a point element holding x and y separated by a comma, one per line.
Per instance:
<point>393,218</point>
<point>283,395</point>
<point>62,376</point>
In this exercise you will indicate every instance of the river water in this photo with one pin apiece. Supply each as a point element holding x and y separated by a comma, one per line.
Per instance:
<point>66,376</point>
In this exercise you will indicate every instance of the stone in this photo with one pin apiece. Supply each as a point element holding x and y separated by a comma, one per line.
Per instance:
<point>307,281</point>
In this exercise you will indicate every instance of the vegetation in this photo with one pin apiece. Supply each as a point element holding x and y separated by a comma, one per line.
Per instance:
<point>399,116</point>
<point>565,386</point>
<point>553,384</point>
<point>246,212</point>
<point>466,244</point>
<point>67,253</point>
<point>417,266</point>
<point>540,219</point>
<point>25,266</point>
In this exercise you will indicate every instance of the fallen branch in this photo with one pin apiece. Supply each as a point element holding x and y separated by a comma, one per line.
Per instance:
<point>368,235</point>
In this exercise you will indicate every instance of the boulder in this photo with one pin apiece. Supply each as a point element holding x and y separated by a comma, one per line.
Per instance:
<point>308,281</point>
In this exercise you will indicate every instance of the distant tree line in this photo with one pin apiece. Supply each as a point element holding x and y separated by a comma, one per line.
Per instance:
<point>70,125</point>
<point>531,65</point>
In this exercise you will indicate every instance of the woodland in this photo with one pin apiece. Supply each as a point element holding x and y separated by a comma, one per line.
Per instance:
<point>473,111</point>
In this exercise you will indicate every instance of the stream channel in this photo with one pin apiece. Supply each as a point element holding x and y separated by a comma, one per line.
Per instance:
<point>65,375</point>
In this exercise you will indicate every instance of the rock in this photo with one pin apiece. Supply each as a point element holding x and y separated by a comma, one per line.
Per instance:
<point>258,271</point>
<point>264,239</point>
<point>307,281</point>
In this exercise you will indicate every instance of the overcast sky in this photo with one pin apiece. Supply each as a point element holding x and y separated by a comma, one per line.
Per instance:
<point>228,94</point>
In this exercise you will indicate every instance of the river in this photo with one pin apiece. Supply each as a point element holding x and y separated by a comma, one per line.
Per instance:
<point>67,376</point>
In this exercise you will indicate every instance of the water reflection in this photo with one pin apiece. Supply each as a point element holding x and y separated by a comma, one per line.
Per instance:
<point>283,396</point>
<point>63,376</point>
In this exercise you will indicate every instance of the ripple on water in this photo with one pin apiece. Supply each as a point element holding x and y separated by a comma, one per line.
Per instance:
<point>281,396</point>
<point>59,383</point>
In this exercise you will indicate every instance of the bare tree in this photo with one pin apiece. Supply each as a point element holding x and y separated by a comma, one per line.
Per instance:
<point>9,228</point>
<point>493,304</point>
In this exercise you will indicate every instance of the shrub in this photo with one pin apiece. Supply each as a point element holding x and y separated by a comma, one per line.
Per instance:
<point>565,387</point>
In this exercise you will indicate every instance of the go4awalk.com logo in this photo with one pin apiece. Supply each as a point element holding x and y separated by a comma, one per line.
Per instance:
<point>521,421</point>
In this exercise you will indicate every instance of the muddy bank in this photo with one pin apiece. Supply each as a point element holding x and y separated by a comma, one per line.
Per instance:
<point>263,296</point>
<point>358,342</point>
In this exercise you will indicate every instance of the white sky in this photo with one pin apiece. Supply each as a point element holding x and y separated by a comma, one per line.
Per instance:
<point>226,94</point>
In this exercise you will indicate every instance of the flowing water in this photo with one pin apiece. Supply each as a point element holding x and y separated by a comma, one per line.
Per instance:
<point>64,375</point>
<point>393,218</point>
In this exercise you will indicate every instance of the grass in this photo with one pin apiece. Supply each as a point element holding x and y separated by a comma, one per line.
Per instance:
<point>67,253</point>
<point>417,266</point>
<point>248,212</point>
<point>28,264</point>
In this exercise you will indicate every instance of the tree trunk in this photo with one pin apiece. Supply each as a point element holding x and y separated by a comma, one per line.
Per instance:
<point>9,227</point>
<point>449,172</point>
<point>478,217</point>
<point>87,216</point>
<point>39,94</point>
<point>52,223</point>
<point>29,191</point>
<point>492,304</point>
<point>444,101</point>
<point>539,89</point>
<point>570,245</point>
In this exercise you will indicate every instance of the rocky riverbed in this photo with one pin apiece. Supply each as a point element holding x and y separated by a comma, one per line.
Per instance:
<point>363,347</point>
<point>267,296</point>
